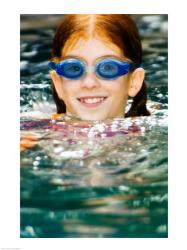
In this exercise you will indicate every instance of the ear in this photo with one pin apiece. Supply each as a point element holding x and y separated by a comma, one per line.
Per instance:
<point>57,81</point>
<point>136,81</point>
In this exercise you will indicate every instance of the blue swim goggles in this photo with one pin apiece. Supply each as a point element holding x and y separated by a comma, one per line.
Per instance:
<point>107,68</point>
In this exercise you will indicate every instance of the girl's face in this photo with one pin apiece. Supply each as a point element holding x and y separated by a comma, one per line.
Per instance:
<point>92,98</point>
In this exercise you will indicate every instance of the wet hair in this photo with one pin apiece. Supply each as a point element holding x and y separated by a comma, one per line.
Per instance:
<point>119,29</point>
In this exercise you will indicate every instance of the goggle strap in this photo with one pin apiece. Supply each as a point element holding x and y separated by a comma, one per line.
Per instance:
<point>52,65</point>
<point>133,66</point>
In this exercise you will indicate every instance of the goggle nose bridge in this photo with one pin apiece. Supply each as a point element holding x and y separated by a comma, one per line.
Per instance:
<point>89,69</point>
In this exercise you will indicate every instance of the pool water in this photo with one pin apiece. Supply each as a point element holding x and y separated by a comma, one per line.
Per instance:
<point>92,179</point>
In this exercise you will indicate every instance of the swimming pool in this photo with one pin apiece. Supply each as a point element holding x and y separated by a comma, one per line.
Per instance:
<point>92,179</point>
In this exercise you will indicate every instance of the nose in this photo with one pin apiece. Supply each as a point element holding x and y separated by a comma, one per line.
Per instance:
<point>90,81</point>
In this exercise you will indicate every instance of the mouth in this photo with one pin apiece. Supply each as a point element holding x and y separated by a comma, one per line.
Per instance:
<point>92,101</point>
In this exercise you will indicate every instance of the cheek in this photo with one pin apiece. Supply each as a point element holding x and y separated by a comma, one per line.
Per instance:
<point>68,89</point>
<point>119,88</point>
<point>65,85</point>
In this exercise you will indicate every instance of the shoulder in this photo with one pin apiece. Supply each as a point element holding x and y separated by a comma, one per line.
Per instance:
<point>56,116</point>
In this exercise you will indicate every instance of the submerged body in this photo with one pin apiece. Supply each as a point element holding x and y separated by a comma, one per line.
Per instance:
<point>94,179</point>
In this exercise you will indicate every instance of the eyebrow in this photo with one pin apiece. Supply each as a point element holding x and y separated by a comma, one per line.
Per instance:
<point>101,57</point>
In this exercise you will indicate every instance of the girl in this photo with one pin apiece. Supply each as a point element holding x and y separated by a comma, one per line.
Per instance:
<point>96,65</point>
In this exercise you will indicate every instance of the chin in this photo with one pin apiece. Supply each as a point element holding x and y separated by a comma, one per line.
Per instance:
<point>92,117</point>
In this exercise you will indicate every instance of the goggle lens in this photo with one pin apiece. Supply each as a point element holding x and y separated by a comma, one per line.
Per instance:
<point>73,70</point>
<point>107,69</point>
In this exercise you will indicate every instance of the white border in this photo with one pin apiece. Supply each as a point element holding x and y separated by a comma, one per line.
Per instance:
<point>9,191</point>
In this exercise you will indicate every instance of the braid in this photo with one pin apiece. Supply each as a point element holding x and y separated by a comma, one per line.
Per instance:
<point>138,107</point>
<point>61,107</point>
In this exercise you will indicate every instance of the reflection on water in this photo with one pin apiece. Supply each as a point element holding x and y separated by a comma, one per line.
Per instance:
<point>92,179</point>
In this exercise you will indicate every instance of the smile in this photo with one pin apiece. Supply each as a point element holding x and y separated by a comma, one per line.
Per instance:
<point>91,101</point>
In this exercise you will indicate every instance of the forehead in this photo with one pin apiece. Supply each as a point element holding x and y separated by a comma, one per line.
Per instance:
<point>91,49</point>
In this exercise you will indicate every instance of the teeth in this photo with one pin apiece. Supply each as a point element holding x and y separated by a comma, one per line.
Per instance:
<point>92,100</point>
